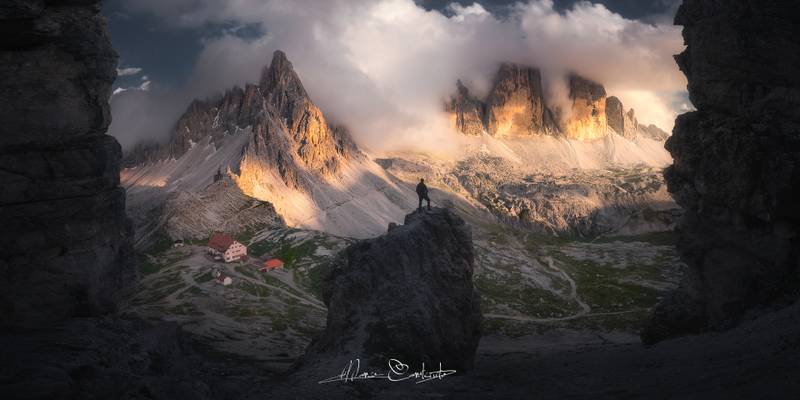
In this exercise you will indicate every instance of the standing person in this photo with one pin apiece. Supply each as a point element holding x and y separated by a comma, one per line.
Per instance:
<point>422,193</point>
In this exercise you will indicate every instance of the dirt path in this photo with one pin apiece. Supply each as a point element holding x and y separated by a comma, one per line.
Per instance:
<point>557,319</point>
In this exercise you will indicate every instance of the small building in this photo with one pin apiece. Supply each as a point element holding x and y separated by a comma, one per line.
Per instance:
<point>272,263</point>
<point>222,279</point>
<point>223,246</point>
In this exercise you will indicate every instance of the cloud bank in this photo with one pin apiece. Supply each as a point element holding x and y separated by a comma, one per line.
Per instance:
<point>384,67</point>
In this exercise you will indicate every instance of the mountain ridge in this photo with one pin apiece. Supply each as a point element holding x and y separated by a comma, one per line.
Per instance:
<point>276,146</point>
<point>517,107</point>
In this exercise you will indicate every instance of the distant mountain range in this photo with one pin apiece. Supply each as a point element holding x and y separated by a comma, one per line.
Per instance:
<point>266,155</point>
<point>516,106</point>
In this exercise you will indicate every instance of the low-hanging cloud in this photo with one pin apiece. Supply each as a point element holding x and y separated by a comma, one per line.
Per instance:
<point>383,68</point>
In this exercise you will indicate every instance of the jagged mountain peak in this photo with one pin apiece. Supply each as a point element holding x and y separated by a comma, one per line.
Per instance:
<point>280,82</point>
<point>286,124</point>
<point>582,87</point>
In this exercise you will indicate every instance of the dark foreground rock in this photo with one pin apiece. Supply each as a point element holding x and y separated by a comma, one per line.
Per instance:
<point>66,256</point>
<point>737,165</point>
<point>406,295</point>
<point>66,247</point>
<point>100,358</point>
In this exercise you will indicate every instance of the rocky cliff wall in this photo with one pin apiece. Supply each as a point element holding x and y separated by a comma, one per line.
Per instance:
<point>517,107</point>
<point>587,117</point>
<point>65,238</point>
<point>737,164</point>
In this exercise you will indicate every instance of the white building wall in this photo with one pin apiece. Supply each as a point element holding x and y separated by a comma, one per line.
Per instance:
<point>235,251</point>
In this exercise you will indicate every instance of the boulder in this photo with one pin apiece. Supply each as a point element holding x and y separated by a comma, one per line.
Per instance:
<point>406,295</point>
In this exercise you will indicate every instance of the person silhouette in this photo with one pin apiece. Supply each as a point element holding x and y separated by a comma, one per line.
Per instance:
<point>422,193</point>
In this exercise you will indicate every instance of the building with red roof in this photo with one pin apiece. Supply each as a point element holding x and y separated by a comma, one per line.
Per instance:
<point>222,245</point>
<point>272,263</point>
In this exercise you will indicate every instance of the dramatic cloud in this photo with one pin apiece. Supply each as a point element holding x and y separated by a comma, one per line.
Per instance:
<point>384,67</point>
<point>144,113</point>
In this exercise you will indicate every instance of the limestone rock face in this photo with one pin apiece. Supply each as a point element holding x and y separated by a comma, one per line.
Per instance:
<point>587,118</point>
<point>278,148</point>
<point>289,131</point>
<point>737,164</point>
<point>466,111</point>
<point>66,241</point>
<point>320,144</point>
<point>651,131</point>
<point>406,295</point>
<point>623,123</point>
<point>221,207</point>
<point>515,106</point>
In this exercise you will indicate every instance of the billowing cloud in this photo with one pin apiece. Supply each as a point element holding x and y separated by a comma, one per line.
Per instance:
<point>384,67</point>
<point>144,114</point>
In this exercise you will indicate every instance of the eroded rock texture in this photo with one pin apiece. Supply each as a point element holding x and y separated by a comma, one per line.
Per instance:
<point>406,295</point>
<point>587,118</point>
<point>624,123</point>
<point>737,164</point>
<point>466,111</point>
<point>515,106</point>
<point>65,238</point>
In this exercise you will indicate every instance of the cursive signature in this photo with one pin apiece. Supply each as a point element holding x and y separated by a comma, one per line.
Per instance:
<point>398,372</point>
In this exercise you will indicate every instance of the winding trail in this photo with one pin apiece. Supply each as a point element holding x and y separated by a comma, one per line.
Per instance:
<point>585,308</point>
<point>559,319</point>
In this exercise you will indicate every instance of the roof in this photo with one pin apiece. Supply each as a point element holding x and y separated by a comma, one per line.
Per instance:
<point>220,242</point>
<point>273,263</point>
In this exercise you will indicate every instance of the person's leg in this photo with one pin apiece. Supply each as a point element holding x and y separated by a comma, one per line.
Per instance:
<point>419,207</point>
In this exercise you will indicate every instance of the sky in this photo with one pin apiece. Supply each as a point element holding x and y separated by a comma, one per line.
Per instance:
<point>384,67</point>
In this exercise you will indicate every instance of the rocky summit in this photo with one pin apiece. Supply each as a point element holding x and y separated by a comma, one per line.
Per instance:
<point>737,165</point>
<point>406,295</point>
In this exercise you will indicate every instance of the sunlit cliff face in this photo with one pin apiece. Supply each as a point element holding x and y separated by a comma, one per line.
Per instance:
<point>512,120</point>
<point>587,120</point>
<point>264,183</point>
